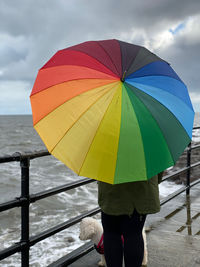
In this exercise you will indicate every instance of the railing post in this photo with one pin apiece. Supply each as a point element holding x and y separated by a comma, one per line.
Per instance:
<point>189,219</point>
<point>25,163</point>
<point>188,171</point>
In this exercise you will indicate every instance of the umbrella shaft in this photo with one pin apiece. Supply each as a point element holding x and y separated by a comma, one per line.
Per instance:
<point>124,75</point>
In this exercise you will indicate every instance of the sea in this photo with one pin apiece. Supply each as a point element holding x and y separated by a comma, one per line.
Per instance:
<point>18,135</point>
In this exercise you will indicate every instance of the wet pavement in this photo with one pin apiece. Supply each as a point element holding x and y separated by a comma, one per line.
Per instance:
<point>168,249</point>
<point>173,235</point>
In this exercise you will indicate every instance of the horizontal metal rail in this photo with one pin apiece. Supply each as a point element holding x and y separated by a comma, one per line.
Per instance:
<point>173,195</point>
<point>43,235</point>
<point>11,250</point>
<point>196,127</point>
<point>59,189</point>
<point>181,171</point>
<point>11,204</point>
<point>74,255</point>
<point>178,192</point>
<point>44,194</point>
<point>17,156</point>
<point>62,226</point>
<point>195,147</point>
<point>50,192</point>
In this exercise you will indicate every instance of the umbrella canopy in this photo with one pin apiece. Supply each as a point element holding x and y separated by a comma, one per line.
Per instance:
<point>112,111</point>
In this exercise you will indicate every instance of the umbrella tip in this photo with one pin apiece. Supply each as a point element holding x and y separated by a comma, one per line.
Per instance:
<point>124,75</point>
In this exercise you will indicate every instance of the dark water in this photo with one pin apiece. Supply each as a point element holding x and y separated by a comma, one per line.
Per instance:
<point>18,134</point>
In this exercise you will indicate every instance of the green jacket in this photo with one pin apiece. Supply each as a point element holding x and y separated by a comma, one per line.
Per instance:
<point>122,199</point>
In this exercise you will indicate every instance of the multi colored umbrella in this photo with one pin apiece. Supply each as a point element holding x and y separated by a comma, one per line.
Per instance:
<point>112,111</point>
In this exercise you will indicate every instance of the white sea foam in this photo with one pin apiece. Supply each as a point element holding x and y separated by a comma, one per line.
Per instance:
<point>196,136</point>
<point>167,188</point>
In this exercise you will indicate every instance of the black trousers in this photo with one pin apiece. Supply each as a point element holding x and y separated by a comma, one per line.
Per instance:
<point>133,247</point>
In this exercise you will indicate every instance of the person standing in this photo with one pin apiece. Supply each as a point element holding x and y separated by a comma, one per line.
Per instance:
<point>124,208</point>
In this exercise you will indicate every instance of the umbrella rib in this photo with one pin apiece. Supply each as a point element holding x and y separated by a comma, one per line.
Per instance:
<point>71,81</point>
<point>156,120</point>
<point>156,124</point>
<point>109,57</point>
<point>99,62</point>
<point>157,75</point>
<point>127,69</point>
<point>79,118</point>
<point>132,61</point>
<point>68,99</point>
<point>164,89</point>
<point>102,78</point>
<point>94,136</point>
<point>136,69</point>
<point>84,53</point>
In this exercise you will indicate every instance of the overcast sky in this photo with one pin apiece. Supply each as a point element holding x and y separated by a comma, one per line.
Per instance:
<point>31,31</point>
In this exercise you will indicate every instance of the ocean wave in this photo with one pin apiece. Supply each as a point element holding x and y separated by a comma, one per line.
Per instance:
<point>196,136</point>
<point>166,188</point>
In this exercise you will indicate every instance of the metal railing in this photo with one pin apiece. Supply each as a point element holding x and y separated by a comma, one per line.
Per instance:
<point>26,199</point>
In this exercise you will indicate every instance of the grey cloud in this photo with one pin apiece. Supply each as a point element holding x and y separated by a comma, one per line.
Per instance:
<point>184,58</point>
<point>12,49</point>
<point>10,55</point>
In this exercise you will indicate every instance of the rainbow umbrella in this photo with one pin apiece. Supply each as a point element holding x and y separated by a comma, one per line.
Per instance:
<point>112,111</point>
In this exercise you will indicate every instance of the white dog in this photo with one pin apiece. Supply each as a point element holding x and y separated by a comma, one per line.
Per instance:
<point>91,229</point>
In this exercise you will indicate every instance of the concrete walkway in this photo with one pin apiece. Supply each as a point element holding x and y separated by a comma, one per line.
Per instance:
<point>168,249</point>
